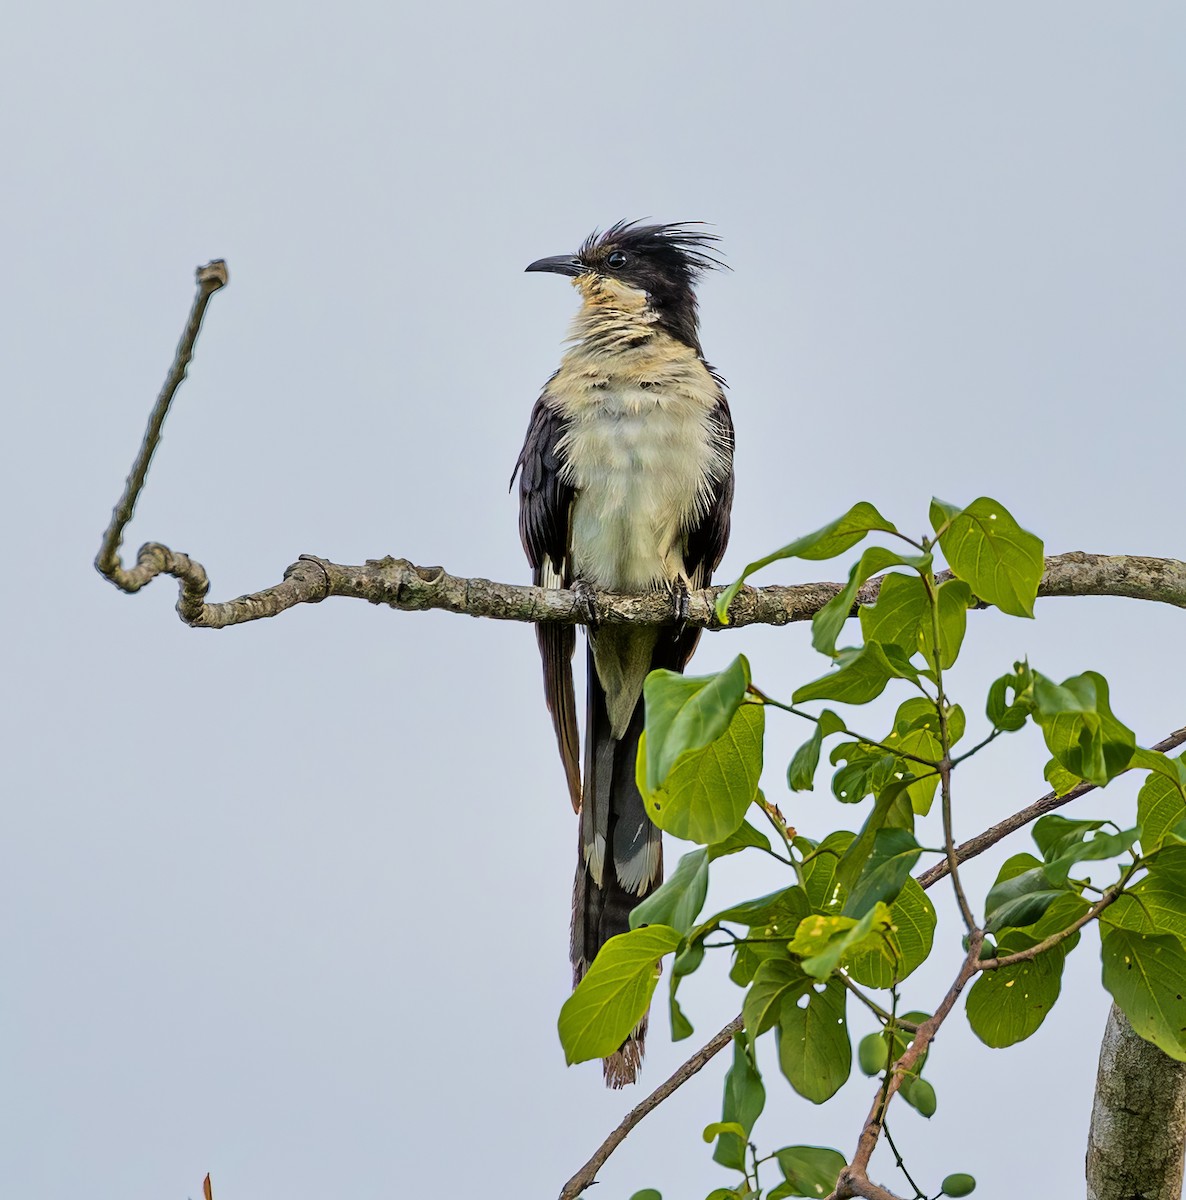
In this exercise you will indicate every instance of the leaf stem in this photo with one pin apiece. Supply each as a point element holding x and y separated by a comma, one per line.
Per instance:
<point>919,1194</point>
<point>946,764</point>
<point>876,1008</point>
<point>852,733</point>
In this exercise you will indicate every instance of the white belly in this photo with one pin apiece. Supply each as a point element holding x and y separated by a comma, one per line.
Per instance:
<point>641,461</point>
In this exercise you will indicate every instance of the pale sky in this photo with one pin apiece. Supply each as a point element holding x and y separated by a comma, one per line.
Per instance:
<point>289,903</point>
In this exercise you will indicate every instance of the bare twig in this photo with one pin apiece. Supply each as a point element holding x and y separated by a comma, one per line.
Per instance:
<point>586,1175</point>
<point>211,278</point>
<point>1048,803</point>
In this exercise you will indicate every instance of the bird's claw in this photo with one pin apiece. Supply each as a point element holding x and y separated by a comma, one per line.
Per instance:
<point>680,603</point>
<point>586,598</point>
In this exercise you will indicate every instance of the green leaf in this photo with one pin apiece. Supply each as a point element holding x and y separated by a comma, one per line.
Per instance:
<point>824,941</point>
<point>860,849</point>
<point>748,957</point>
<point>999,560</point>
<point>742,838</point>
<point>813,1047</point>
<point>867,770</point>
<point>1020,900</point>
<point>810,1170</point>
<point>954,599</point>
<point>776,982</point>
<point>801,772</point>
<point>918,731</point>
<point>958,1185</point>
<point>786,907</point>
<point>1079,727</point>
<point>1063,844</point>
<point>687,960</point>
<point>688,712</point>
<point>705,797</point>
<point>1007,1005</point>
<point>1161,807</point>
<point>824,893</point>
<point>942,514</point>
<point>900,615</point>
<point>678,901</point>
<point>1010,714</point>
<point>1157,904</point>
<point>1060,779</point>
<point>607,1004</point>
<point>745,1097</point>
<point>861,676</point>
<point>907,945</point>
<point>826,542</point>
<point>895,851</point>
<point>771,917</point>
<point>1147,978</point>
<point>717,1127</point>
<point>829,620</point>
<point>647,1194</point>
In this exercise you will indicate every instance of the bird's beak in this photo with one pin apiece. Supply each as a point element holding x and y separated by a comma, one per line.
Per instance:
<point>560,264</point>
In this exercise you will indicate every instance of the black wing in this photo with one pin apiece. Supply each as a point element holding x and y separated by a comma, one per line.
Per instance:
<point>545,505</point>
<point>707,541</point>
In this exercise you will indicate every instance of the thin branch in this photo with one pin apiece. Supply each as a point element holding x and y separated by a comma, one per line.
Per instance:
<point>854,1179</point>
<point>1007,960</point>
<point>919,1194</point>
<point>211,278</point>
<point>1048,803</point>
<point>588,1173</point>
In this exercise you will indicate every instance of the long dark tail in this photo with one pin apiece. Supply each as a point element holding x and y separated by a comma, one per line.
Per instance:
<point>620,859</point>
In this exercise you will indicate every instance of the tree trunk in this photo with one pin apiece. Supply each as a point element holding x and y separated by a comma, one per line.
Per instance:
<point>1138,1122</point>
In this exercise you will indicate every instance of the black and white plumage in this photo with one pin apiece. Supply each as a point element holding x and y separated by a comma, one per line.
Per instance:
<point>625,484</point>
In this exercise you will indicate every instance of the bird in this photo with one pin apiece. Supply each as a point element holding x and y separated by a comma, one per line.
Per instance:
<point>625,484</point>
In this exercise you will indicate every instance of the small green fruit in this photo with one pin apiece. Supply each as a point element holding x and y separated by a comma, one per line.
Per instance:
<point>959,1185</point>
<point>921,1096</point>
<point>873,1054</point>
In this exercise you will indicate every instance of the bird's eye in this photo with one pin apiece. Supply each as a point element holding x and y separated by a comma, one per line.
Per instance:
<point>617,259</point>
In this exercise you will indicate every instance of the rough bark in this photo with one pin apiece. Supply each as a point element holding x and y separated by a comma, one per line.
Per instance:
<point>1138,1122</point>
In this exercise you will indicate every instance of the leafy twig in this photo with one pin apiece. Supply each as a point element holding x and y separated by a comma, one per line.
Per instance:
<point>1048,803</point>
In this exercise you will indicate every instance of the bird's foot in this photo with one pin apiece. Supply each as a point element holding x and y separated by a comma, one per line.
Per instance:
<point>586,598</point>
<point>680,603</point>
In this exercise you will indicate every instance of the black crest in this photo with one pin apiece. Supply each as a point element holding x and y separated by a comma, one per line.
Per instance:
<point>664,261</point>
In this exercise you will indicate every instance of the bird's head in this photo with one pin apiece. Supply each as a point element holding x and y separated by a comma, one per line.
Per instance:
<point>655,266</point>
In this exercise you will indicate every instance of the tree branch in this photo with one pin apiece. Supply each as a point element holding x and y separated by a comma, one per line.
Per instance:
<point>399,584</point>
<point>588,1173</point>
